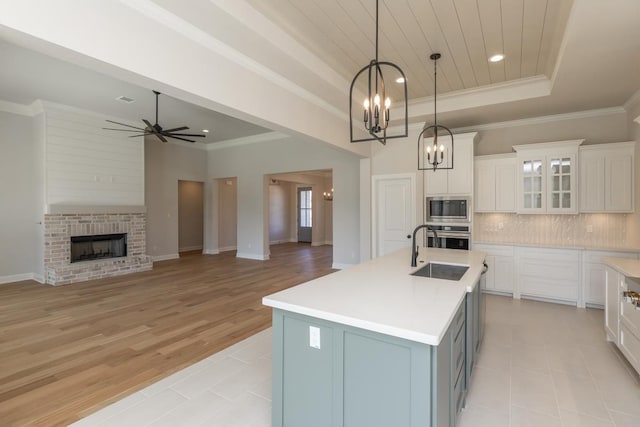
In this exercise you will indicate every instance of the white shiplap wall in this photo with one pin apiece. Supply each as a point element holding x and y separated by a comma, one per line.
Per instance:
<point>86,165</point>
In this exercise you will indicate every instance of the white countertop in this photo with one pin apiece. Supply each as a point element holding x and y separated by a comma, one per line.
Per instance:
<point>628,267</point>
<point>381,295</point>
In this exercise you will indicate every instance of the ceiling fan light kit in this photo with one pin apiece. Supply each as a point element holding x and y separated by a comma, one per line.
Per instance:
<point>156,129</point>
<point>432,155</point>
<point>376,105</point>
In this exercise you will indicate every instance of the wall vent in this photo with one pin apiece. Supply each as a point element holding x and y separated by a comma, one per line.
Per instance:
<point>125,99</point>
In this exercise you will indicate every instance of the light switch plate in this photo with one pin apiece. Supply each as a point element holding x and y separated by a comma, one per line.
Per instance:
<point>314,337</point>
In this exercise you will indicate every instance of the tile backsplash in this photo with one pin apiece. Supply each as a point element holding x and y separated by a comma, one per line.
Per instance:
<point>588,230</point>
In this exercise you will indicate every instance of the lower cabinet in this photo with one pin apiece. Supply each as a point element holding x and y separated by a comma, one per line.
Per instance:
<point>363,378</point>
<point>594,275</point>
<point>500,259</point>
<point>612,303</point>
<point>622,316</point>
<point>549,273</point>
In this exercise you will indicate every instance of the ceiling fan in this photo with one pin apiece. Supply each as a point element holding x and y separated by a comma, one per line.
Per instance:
<point>156,129</point>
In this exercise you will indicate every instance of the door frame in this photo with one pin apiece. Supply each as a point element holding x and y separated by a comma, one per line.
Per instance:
<point>375,183</point>
<point>300,189</point>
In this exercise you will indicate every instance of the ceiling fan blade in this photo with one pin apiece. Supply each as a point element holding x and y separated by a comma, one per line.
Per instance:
<point>176,129</point>
<point>140,134</point>
<point>182,139</point>
<point>149,125</point>
<point>185,134</point>
<point>124,124</point>
<point>125,130</point>
<point>154,131</point>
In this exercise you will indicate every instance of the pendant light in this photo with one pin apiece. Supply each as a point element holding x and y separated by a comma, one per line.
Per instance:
<point>373,110</point>
<point>432,154</point>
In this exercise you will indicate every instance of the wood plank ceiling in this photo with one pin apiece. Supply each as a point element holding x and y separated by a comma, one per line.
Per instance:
<point>466,32</point>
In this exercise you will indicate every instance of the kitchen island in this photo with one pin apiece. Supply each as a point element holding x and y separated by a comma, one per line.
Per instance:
<point>374,345</point>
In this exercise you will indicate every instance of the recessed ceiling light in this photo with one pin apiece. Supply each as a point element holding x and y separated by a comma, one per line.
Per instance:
<point>497,58</point>
<point>205,130</point>
<point>400,80</point>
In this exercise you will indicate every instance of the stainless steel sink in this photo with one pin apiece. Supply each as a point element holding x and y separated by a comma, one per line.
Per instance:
<point>441,271</point>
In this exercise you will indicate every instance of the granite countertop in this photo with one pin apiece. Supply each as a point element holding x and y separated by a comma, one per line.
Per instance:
<point>628,267</point>
<point>382,296</point>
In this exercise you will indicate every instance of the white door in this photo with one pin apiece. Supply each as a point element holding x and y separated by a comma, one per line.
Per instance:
<point>394,213</point>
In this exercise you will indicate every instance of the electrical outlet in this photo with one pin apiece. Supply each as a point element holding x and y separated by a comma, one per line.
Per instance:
<point>500,226</point>
<point>314,337</point>
<point>589,228</point>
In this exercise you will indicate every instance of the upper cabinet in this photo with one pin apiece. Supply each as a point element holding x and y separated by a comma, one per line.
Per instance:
<point>459,180</point>
<point>546,177</point>
<point>495,183</point>
<point>607,177</point>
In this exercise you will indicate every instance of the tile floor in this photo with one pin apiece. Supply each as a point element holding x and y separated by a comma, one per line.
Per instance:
<point>540,364</point>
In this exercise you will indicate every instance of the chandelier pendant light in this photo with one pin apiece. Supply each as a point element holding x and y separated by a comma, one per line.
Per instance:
<point>432,154</point>
<point>377,104</point>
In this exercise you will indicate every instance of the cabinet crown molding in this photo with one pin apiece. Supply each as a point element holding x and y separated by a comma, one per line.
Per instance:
<point>547,145</point>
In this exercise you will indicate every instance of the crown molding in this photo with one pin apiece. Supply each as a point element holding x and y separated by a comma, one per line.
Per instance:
<point>164,17</point>
<point>542,119</point>
<point>531,87</point>
<point>30,110</point>
<point>632,101</point>
<point>247,140</point>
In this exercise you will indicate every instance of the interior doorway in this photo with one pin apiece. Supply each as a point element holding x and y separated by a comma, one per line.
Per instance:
<point>190,216</point>
<point>305,214</point>
<point>287,221</point>
<point>227,214</point>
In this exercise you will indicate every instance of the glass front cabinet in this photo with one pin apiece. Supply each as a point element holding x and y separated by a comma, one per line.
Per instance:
<point>547,177</point>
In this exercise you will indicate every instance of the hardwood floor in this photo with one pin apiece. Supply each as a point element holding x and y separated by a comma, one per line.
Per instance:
<point>68,351</point>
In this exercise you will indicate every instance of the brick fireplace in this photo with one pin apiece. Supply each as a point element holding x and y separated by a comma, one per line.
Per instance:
<point>61,227</point>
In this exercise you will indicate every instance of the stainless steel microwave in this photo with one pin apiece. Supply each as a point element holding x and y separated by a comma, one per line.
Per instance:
<point>448,209</point>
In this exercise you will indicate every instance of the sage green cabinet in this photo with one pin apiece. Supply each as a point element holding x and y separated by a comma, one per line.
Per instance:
<point>363,378</point>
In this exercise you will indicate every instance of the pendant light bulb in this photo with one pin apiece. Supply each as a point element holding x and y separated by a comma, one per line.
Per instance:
<point>376,100</point>
<point>366,104</point>
<point>387,102</point>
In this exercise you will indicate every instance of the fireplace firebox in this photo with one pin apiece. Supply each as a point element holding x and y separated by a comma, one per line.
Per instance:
<point>101,246</point>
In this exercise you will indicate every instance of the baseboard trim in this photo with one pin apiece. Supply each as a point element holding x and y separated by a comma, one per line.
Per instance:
<point>279,242</point>
<point>211,251</point>
<point>20,278</point>
<point>190,248</point>
<point>258,257</point>
<point>227,248</point>
<point>340,266</point>
<point>167,257</point>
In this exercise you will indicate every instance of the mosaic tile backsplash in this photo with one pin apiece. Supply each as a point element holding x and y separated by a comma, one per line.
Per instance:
<point>583,230</point>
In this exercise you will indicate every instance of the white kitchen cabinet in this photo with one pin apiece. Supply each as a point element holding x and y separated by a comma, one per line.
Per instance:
<point>607,177</point>
<point>629,323</point>
<point>500,276</point>
<point>546,177</point>
<point>612,303</point>
<point>594,275</point>
<point>458,180</point>
<point>495,183</point>
<point>548,273</point>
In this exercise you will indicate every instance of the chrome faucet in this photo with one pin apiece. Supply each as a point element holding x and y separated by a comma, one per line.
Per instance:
<point>414,248</point>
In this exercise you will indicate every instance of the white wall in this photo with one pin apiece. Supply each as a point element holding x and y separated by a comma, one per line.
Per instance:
<point>280,218</point>
<point>250,163</point>
<point>166,165</point>
<point>86,165</point>
<point>21,189</point>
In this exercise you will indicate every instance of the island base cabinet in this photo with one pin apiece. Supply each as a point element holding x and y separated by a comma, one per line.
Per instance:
<point>361,378</point>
